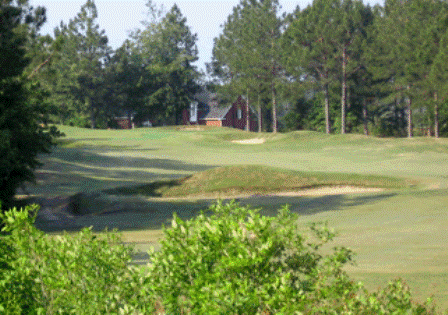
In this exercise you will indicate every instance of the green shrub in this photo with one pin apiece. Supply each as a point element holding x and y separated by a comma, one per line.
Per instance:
<point>239,262</point>
<point>68,274</point>
<point>233,261</point>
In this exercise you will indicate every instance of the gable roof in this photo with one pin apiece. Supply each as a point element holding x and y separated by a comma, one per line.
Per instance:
<point>217,112</point>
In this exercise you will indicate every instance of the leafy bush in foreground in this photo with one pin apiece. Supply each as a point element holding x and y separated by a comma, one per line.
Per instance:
<point>234,261</point>
<point>67,274</point>
<point>239,262</point>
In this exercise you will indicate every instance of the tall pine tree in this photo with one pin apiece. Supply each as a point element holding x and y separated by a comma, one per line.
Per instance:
<point>323,42</point>
<point>167,49</point>
<point>247,54</point>
<point>23,134</point>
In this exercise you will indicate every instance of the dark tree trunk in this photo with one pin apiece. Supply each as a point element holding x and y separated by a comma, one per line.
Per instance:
<point>247,112</point>
<point>344,91</point>
<point>130,119</point>
<point>327,110</point>
<point>177,119</point>
<point>92,115</point>
<point>274,112</point>
<point>410,131</point>
<point>260,118</point>
<point>364,116</point>
<point>436,116</point>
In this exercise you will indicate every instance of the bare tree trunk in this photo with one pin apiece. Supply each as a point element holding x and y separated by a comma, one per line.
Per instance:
<point>274,111</point>
<point>247,112</point>
<point>364,116</point>
<point>327,110</point>
<point>344,90</point>
<point>259,114</point>
<point>436,115</point>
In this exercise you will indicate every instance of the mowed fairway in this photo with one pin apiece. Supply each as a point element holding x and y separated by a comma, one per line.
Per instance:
<point>395,232</point>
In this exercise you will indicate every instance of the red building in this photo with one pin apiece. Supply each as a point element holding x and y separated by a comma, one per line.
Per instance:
<point>207,111</point>
<point>125,122</point>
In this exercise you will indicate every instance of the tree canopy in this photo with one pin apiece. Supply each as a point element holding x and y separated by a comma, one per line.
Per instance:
<point>23,132</point>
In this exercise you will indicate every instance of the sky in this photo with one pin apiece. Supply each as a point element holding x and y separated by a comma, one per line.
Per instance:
<point>118,17</point>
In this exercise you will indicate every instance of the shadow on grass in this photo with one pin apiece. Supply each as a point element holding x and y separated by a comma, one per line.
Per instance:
<point>68,171</point>
<point>138,213</point>
<point>310,206</point>
<point>154,189</point>
<point>100,158</point>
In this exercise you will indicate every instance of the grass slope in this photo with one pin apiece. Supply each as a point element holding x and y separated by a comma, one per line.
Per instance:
<point>249,179</point>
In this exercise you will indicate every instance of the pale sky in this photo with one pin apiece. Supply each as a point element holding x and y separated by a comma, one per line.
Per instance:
<point>118,17</point>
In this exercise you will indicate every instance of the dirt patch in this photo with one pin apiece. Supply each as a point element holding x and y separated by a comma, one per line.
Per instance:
<point>250,141</point>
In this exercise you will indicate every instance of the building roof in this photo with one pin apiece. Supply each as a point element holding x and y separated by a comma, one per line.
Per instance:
<point>217,112</point>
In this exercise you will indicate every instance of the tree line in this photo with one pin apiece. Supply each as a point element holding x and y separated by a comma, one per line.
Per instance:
<point>150,76</point>
<point>336,66</point>
<point>339,65</point>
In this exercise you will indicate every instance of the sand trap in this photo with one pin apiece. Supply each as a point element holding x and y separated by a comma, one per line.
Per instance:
<point>321,191</point>
<point>250,141</point>
<point>330,190</point>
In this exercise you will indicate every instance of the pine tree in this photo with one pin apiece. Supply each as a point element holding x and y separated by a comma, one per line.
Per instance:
<point>406,48</point>
<point>309,55</point>
<point>75,76</point>
<point>168,50</point>
<point>438,79</point>
<point>324,42</point>
<point>247,54</point>
<point>22,132</point>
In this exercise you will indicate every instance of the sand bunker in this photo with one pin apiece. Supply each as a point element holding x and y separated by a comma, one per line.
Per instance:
<point>321,191</point>
<point>250,141</point>
<point>329,190</point>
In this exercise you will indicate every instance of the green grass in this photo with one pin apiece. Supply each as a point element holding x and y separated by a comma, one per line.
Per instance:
<point>254,179</point>
<point>397,232</point>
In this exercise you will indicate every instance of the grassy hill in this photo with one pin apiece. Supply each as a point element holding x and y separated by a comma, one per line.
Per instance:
<point>255,179</point>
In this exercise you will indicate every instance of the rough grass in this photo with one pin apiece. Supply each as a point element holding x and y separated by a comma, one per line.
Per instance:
<point>254,179</point>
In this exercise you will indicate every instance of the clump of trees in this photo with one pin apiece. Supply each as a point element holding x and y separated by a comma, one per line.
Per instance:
<point>339,65</point>
<point>150,76</point>
<point>228,260</point>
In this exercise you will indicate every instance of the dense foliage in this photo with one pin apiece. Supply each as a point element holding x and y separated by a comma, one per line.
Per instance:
<point>66,274</point>
<point>230,261</point>
<point>23,109</point>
